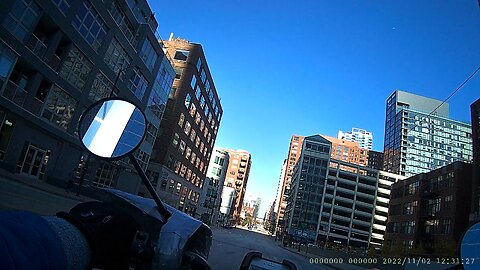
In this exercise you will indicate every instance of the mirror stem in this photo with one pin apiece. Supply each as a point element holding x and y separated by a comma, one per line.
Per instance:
<point>146,182</point>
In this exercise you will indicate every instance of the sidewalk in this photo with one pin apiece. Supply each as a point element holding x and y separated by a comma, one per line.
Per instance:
<point>18,192</point>
<point>41,185</point>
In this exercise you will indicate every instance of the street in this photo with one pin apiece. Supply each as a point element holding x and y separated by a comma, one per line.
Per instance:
<point>229,246</point>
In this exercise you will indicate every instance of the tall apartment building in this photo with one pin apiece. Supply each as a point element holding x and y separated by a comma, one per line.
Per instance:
<point>417,140</point>
<point>238,170</point>
<point>294,152</point>
<point>428,212</point>
<point>361,136</point>
<point>211,197</point>
<point>475,111</point>
<point>277,206</point>
<point>57,58</point>
<point>227,206</point>
<point>189,129</point>
<point>336,201</point>
<point>348,151</point>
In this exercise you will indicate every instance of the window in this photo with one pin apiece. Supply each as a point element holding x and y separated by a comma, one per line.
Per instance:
<point>148,55</point>
<point>188,99</point>
<point>7,60</point>
<point>203,76</point>
<point>89,24</point>
<point>409,208</point>
<point>202,125</point>
<point>116,58</point>
<point>193,109</point>
<point>197,141</point>
<point>433,206</point>
<point>137,84</point>
<point>76,68</point>
<point>101,88</point>
<point>188,153</point>
<point>446,226</point>
<point>202,102</point>
<point>193,135</point>
<point>105,175</point>
<point>199,64</point>
<point>21,19</point>
<point>197,118</point>
<point>143,159</point>
<point>198,92</point>
<point>59,107</point>
<point>182,146</point>
<point>447,203</point>
<point>63,5</point>
<point>413,188</point>
<point>161,88</point>
<point>207,87</point>
<point>151,133</point>
<point>176,138</point>
<point>187,128</point>
<point>181,120</point>
<point>193,82</point>
<point>122,21</point>
<point>181,55</point>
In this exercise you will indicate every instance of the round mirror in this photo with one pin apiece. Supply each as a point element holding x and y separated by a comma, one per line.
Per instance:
<point>112,128</point>
<point>470,248</point>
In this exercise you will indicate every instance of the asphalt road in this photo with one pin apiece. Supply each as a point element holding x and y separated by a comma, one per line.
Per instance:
<point>229,246</point>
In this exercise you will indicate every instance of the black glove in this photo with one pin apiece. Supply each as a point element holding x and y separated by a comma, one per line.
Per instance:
<point>109,232</point>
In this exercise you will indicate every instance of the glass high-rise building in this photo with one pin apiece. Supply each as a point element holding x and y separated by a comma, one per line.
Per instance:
<point>420,136</point>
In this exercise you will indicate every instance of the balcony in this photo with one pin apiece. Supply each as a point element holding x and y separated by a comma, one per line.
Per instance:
<point>14,93</point>
<point>36,45</point>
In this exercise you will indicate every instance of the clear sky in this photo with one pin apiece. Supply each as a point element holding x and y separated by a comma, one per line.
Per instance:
<point>316,67</point>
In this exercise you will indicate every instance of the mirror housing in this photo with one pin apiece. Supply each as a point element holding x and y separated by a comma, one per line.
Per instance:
<point>254,261</point>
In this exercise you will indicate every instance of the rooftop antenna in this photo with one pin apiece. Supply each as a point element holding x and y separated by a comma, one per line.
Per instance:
<point>171,37</point>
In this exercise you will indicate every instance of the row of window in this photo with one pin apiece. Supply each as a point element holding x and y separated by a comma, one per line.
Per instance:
<point>176,188</point>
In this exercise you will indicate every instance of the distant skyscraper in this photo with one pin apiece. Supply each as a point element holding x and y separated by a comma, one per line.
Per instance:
<point>238,170</point>
<point>294,152</point>
<point>417,142</point>
<point>363,137</point>
<point>475,110</point>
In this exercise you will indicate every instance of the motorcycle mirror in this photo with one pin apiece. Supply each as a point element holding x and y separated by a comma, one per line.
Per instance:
<point>254,260</point>
<point>112,128</point>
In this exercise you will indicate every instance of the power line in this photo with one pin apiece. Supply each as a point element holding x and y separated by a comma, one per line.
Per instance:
<point>443,102</point>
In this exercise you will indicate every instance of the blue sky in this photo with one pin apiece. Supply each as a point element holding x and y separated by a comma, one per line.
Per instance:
<point>316,67</point>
